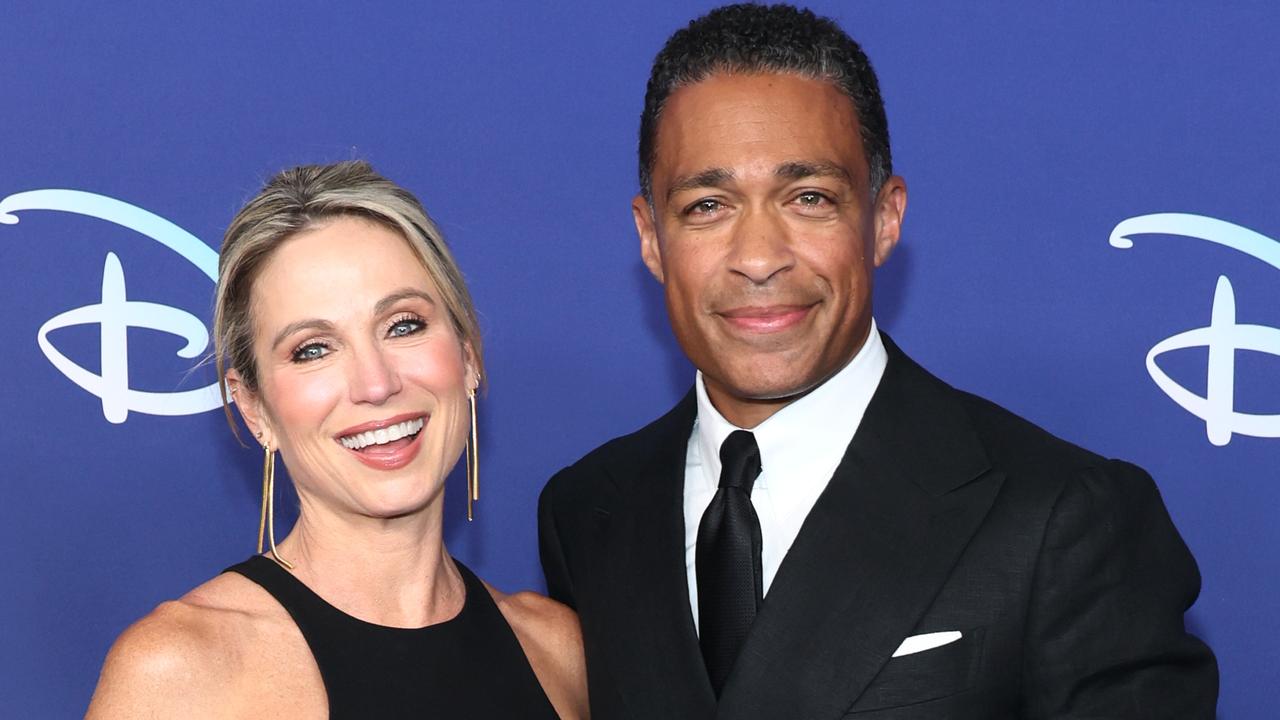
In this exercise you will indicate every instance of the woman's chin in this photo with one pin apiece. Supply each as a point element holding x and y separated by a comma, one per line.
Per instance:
<point>390,503</point>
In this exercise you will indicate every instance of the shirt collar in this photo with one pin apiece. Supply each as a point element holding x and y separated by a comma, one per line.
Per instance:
<point>819,425</point>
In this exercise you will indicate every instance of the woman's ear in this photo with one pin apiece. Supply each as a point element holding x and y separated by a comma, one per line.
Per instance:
<point>472,375</point>
<point>250,406</point>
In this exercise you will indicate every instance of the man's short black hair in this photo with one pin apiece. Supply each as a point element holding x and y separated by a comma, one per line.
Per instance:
<point>748,39</point>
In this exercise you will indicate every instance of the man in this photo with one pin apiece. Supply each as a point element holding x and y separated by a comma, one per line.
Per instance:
<point>878,542</point>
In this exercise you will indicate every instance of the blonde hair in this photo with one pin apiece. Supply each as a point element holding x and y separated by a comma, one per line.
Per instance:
<point>299,199</point>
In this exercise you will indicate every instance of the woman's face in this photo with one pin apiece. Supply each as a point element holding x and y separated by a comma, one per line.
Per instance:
<point>362,379</point>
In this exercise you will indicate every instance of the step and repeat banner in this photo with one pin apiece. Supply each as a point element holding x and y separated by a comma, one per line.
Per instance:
<point>1091,241</point>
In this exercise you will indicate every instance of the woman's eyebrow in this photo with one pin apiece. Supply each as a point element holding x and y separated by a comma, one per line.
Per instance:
<point>402,294</point>
<point>293,327</point>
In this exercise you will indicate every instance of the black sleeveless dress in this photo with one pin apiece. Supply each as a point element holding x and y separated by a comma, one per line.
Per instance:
<point>469,667</point>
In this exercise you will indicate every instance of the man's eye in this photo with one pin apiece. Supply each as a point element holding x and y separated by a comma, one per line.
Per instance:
<point>812,199</point>
<point>309,352</point>
<point>704,207</point>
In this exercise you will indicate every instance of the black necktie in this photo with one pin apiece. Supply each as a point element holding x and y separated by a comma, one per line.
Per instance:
<point>728,559</point>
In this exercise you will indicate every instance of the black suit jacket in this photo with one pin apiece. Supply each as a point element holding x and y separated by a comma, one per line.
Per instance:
<point>1061,569</point>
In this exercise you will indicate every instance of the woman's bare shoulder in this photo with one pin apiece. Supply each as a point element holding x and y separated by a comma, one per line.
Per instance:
<point>187,655</point>
<point>551,637</point>
<point>553,624</point>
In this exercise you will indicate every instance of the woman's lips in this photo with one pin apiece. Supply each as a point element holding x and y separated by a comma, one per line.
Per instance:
<point>379,424</point>
<point>387,444</point>
<point>392,455</point>
<point>765,319</point>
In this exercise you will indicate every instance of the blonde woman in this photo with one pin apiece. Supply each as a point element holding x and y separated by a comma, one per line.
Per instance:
<point>349,343</point>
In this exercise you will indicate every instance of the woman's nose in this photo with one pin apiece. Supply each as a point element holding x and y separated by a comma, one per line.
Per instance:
<point>373,377</point>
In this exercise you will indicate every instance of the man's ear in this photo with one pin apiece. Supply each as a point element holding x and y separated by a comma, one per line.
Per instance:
<point>250,406</point>
<point>646,228</point>
<point>890,207</point>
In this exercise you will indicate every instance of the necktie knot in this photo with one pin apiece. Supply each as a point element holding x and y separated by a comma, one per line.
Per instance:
<point>739,461</point>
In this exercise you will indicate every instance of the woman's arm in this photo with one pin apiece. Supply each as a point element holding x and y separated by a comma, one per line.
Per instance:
<point>161,667</point>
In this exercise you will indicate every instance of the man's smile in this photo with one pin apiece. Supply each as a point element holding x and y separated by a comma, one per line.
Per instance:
<point>765,318</point>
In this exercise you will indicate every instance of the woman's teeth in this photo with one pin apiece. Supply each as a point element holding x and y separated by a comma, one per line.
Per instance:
<point>382,436</point>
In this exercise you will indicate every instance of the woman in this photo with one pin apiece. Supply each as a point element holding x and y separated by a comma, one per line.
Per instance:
<point>348,341</point>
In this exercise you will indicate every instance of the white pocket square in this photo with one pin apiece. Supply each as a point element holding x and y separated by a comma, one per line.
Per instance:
<point>928,641</point>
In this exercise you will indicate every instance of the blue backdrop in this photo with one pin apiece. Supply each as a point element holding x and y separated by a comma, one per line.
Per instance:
<point>1036,140</point>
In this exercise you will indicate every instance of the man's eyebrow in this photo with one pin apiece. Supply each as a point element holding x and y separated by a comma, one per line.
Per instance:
<point>713,177</point>
<point>795,170</point>
<point>800,170</point>
<point>325,326</point>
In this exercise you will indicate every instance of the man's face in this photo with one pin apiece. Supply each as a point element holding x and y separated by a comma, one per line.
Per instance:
<point>764,235</point>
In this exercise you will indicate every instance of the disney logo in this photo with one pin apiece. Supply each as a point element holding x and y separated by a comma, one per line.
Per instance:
<point>116,313</point>
<point>1222,336</point>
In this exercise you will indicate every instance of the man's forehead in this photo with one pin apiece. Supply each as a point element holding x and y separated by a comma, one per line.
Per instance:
<point>777,124</point>
<point>729,88</point>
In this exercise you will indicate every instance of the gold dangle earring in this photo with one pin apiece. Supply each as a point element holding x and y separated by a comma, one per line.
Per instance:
<point>267,520</point>
<point>473,459</point>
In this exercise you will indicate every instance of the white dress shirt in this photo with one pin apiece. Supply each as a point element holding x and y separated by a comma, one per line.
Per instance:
<point>800,447</point>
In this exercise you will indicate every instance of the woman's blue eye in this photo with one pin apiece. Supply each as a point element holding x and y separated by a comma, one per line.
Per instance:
<point>314,351</point>
<point>405,327</point>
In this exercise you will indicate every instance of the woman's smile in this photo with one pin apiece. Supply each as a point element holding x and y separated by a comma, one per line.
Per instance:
<point>385,444</point>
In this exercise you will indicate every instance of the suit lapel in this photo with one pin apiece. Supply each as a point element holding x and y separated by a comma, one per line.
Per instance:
<point>911,490</point>
<point>649,606</point>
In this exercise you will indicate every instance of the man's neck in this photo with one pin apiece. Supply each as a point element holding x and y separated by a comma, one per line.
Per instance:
<point>745,413</point>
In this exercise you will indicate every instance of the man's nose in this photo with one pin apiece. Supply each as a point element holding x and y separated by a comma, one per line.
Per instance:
<point>761,246</point>
<point>373,376</point>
